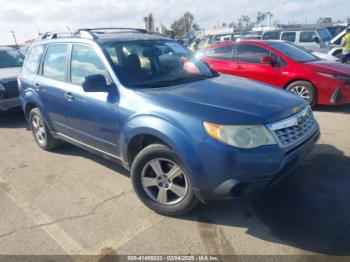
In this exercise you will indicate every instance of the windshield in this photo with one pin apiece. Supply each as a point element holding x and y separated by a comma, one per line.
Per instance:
<point>294,52</point>
<point>325,34</point>
<point>10,58</point>
<point>145,64</point>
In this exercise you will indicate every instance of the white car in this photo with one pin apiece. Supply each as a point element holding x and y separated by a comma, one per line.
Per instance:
<point>326,56</point>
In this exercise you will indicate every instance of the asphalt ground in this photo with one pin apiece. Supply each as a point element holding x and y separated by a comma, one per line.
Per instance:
<point>72,202</point>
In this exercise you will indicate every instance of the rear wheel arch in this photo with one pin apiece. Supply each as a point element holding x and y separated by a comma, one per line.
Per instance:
<point>28,108</point>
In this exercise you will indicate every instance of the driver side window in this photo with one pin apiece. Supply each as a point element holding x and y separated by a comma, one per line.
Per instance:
<point>85,62</point>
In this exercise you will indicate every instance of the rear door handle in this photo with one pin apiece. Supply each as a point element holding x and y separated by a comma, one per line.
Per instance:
<point>69,96</point>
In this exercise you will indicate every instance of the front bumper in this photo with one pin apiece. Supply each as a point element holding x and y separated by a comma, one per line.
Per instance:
<point>247,173</point>
<point>9,103</point>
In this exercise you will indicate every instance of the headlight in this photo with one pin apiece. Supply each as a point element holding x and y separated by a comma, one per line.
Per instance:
<point>337,77</point>
<point>240,136</point>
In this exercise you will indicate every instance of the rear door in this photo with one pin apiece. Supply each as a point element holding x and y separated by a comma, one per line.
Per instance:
<point>93,116</point>
<point>248,59</point>
<point>222,59</point>
<point>51,86</point>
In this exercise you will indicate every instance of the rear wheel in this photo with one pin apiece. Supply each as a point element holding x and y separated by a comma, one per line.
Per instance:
<point>305,90</point>
<point>42,134</point>
<point>161,182</point>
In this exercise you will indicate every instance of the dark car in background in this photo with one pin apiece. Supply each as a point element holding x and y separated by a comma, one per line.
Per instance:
<point>11,62</point>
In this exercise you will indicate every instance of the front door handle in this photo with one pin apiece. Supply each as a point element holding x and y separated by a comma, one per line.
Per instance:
<point>69,96</point>
<point>239,68</point>
<point>37,86</point>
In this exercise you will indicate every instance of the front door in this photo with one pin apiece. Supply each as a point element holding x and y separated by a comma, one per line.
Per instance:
<point>94,116</point>
<point>249,61</point>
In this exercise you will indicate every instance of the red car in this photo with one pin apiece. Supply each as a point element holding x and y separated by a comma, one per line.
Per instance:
<point>283,65</point>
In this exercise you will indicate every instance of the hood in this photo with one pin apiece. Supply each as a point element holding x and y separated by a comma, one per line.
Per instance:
<point>333,66</point>
<point>9,73</point>
<point>227,100</point>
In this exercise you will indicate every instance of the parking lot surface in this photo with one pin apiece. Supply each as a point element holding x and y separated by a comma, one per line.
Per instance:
<point>72,202</point>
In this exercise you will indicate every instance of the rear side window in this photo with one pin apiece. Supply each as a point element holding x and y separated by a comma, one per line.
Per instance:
<point>251,53</point>
<point>33,60</point>
<point>55,62</point>
<point>272,35</point>
<point>288,36</point>
<point>307,36</point>
<point>85,62</point>
<point>223,52</point>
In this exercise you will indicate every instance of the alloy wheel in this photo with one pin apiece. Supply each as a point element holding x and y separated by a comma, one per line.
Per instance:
<point>301,91</point>
<point>39,130</point>
<point>164,181</point>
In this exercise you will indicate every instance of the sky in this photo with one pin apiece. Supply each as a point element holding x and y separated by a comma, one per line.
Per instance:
<point>28,17</point>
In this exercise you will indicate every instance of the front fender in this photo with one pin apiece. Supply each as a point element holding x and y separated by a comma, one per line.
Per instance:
<point>183,144</point>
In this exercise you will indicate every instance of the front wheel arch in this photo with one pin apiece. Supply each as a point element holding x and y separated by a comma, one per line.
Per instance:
<point>307,82</point>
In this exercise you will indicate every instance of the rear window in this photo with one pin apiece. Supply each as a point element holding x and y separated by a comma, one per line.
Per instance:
<point>251,53</point>
<point>55,62</point>
<point>33,59</point>
<point>288,36</point>
<point>222,52</point>
<point>271,35</point>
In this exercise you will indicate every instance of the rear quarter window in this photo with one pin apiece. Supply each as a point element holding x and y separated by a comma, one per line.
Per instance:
<point>33,60</point>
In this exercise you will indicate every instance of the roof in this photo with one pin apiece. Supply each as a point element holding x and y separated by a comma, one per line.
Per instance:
<point>6,48</point>
<point>255,41</point>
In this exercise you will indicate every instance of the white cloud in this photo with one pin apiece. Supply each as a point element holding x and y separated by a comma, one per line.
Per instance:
<point>28,17</point>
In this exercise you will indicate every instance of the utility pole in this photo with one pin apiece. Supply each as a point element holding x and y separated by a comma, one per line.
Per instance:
<point>14,37</point>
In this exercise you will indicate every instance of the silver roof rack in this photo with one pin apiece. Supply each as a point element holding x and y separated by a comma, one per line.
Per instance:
<point>91,33</point>
<point>113,30</point>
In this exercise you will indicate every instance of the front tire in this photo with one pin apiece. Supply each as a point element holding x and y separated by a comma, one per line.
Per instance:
<point>161,182</point>
<point>304,90</point>
<point>41,132</point>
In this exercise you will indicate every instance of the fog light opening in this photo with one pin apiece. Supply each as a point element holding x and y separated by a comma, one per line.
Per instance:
<point>241,189</point>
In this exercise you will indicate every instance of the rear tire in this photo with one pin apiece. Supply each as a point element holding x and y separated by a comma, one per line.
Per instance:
<point>161,182</point>
<point>304,90</point>
<point>41,132</point>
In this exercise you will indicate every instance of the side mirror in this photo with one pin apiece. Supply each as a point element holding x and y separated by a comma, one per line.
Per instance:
<point>95,83</point>
<point>316,39</point>
<point>267,60</point>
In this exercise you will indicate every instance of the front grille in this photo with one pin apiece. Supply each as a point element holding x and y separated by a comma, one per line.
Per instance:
<point>11,89</point>
<point>294,129</point>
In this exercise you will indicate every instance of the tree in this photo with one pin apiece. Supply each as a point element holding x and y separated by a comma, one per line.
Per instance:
<point>324,20</point>
<point>183,25</point>
<point>149,22</point>
<point>195,27</point>
<point>269,15</point>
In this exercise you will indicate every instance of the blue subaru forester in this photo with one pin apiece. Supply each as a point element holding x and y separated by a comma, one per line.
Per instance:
<point>185,132</point>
